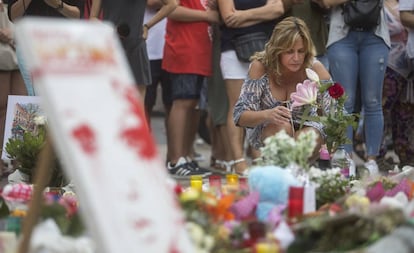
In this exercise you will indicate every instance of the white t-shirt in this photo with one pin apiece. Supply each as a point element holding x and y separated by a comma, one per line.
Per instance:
<point>156,36</point>
<point>408,5</point>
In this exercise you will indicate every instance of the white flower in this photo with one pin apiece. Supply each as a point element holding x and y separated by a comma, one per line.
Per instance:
<point>283,150</point>
<point>312,75</point>
<point>40,120</point>
<point>195,231</point>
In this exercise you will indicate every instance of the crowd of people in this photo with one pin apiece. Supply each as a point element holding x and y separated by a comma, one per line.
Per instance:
<point>188,48</point>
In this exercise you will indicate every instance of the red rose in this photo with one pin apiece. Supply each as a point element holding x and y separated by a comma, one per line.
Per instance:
<point>336,91</point>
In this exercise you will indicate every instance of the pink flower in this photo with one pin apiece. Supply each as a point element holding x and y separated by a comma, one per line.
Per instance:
<point>306,93</point>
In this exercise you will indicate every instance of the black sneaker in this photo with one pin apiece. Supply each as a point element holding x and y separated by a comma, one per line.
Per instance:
<point>202,171</point>
<point>183,170</point>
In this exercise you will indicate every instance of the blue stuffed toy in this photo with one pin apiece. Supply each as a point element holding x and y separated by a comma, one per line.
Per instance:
<point>272,183</point>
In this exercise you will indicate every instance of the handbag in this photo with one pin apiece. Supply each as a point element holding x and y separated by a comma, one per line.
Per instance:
<point>362,14</point>
<point>248,44</point>
<point>7,51</point>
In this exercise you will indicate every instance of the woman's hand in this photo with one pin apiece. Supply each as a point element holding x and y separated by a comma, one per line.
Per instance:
<point>278,115</point>
<point>236,19</point>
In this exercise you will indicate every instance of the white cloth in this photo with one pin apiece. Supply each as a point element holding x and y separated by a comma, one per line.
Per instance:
<point>156,36</point>
<point>408,5</point>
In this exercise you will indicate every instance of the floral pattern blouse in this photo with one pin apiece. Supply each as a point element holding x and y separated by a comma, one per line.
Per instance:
<point>255,95</point>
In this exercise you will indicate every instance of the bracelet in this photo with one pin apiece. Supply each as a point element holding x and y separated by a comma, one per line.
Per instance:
<point>146,26</point>
<point>60,6</point>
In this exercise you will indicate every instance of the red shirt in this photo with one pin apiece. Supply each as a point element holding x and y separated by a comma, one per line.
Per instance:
<point>188,45</point>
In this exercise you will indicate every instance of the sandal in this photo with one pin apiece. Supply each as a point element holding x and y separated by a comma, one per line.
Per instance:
<point>220,166</point>
<point>245,172</point>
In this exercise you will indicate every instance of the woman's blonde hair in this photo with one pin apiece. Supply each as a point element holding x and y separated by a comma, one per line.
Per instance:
<point>283,38</point>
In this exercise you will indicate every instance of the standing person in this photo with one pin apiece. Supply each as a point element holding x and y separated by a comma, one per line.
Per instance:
<point>398,98</point>
<point>41,8</point>
<point>358,55</point>
<point>128,18</point>
<point>273,77</point>
<point>187,59</point>
<point>218,104</point>
<point>314,16</point>
<point>11,81</point>
<point>241,17</point>
<point>407,19</point>
<point>155,47</point>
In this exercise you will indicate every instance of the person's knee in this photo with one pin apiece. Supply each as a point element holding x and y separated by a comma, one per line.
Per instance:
<point>186,104</point>
<point>272,129</point>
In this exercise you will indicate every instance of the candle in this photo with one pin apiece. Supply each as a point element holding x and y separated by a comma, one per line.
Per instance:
<point>295,202</point>
<point>196,182</point>
<point>243,183</point>
<point>215,181</point>
<point>232,179</point>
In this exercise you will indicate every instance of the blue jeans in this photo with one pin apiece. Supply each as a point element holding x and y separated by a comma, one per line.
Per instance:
<point>359,61</point>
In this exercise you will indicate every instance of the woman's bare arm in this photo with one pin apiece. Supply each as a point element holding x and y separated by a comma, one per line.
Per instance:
<point>242,18</point>
<point>407,18</point>
<point>18,8</point>
<point>95,9</point>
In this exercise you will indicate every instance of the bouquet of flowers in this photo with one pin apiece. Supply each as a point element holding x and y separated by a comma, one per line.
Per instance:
<point>283,150</point>
<point>331,185</point>
<point>330,99</point>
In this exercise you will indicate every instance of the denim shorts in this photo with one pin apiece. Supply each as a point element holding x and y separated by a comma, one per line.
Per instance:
<point>186,86</point>
<point>159,77</point>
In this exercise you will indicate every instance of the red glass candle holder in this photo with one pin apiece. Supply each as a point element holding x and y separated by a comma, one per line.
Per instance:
<point>295,201</point>
<point>214,181</point>
<point>243,183</point>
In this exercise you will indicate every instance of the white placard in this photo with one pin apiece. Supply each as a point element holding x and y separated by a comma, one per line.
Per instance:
<point>99,131</point>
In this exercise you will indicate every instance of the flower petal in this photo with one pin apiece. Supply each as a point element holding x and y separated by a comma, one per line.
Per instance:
<point>312,75</point>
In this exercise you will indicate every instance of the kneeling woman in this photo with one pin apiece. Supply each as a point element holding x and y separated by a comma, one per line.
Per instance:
<point>264,103</point>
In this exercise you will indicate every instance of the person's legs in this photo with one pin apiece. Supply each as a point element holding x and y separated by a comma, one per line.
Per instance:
<point>142,90</point>
<point>235,133</point>
<point>11,83</point>
<point>343,64</point>
<point>234,72</point>
<point>401,118</point>
<point>390,96</point>
<point>373,58</point>
<point>151,91</point>
<point>17,84</point>
<point>5,87</point>
<point>186,94</point>
<point>179,127</point>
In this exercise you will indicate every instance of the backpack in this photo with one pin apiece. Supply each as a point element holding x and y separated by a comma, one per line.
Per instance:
<point>362,14</point>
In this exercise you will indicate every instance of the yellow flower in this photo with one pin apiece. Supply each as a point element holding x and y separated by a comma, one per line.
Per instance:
<point>190,194</point>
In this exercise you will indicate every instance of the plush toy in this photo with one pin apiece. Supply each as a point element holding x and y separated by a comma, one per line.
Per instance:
<point>269,189</point>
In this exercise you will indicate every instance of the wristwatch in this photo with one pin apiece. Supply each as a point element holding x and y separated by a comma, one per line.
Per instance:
<point>60,6</point>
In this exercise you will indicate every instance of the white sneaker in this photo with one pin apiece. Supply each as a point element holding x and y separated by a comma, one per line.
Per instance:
<point>372,167</point>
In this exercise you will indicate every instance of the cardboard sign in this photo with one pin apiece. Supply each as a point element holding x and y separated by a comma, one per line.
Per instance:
<point>99,132</point>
